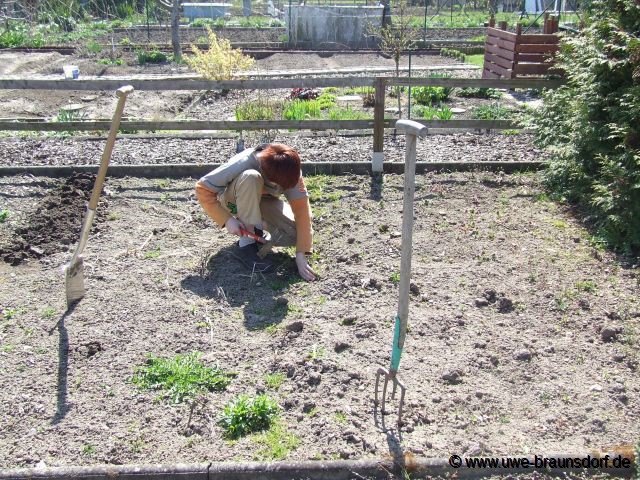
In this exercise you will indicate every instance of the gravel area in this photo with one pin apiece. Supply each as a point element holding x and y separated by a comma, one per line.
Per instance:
<point>459,147</point>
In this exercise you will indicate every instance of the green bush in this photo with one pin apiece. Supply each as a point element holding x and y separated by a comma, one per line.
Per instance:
<point>153,56</point>
<point>245,415</point>
<point>591,125</point>
<point>495,111</point>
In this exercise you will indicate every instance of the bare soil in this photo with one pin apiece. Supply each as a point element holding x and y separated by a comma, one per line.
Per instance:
<point>460,147</point>
<point>523,334</point>
<point>163,105</point>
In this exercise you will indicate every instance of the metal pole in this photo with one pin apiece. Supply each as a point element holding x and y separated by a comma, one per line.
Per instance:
<point>424,30</point>
<point>409,94</point>
<point>289,29</point>
<point>146,8</point>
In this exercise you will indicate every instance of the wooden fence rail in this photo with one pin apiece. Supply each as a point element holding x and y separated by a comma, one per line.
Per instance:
<point>190,125</point>
<point>378,123</point>
<point>168,83</point>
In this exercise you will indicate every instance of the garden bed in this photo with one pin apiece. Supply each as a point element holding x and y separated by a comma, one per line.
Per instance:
<point>523,332</point>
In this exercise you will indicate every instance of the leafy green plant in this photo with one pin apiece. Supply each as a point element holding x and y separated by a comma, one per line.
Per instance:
<point>495,111</point>
<point>111,61</point>
<point>180,377</point>
<point>430,113</point>
<point>4,214</point>
<point>244,415</point>
<point>432,95</point>
<point>492,93</point>
<point>151,56</point>
<point>395,278</point>
<point>301,109</point>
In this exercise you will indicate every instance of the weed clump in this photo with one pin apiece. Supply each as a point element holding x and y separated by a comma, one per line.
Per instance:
<point>181,377</point>
<point>244,415</point>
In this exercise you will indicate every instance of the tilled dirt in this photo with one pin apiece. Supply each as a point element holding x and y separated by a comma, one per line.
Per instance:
<point>162,105</point>
<point>54,225</point>
<point>523,334</point>
<point>461,147</point>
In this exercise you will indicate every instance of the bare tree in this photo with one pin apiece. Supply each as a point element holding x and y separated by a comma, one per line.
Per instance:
<point>395,39</point>
<point>174,7</point>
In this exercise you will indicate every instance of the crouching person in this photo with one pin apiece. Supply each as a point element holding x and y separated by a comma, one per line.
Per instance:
<point>243,195</point>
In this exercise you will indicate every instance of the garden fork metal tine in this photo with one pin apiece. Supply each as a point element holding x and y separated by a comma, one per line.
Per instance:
<point>389,376</point>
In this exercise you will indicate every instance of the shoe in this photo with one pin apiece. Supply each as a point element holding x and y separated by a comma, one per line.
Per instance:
<point>248,255</point>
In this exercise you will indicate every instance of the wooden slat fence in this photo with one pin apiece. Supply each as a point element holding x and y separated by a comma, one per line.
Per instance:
<point>517,55</point>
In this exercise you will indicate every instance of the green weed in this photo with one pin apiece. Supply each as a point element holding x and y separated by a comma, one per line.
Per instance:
<point>395,278</point>
<point>258,110</point>
<point>155,253</point>
<point>274,380</point>
<point>586,286</point>
<point>317,352</point>
<point>340,417</point>
<point>4,214</point>
<point>181,377</point>
<point>88,450</point>
<point>276,443</point>
<point>347,113</point>
<point>244,415</point>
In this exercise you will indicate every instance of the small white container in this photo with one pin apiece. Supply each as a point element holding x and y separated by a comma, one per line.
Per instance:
<point>71,71</point>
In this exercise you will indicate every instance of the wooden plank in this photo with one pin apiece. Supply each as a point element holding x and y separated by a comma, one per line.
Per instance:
<point>475,82</point>
<point>489,74</point>
<point>537,48</point>
<point>491,58</point>
<point>500,52</point>
<point>537,38</point>
<point>191,125</point>
<point>466,124</point>
<point>499,42</point>
<point>503,72</point>
<point>168,83</point>
<point>532,68</point>
<point>378,115</point>
<point>182,84</point>
<point>508,36</point>
<point>533,57</point>
<point>183,125</point>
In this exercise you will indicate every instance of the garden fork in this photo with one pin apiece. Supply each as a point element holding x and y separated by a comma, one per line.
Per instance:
<point>412,130</point>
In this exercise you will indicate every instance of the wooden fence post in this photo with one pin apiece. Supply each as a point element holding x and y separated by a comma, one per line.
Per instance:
<point>377,159</point>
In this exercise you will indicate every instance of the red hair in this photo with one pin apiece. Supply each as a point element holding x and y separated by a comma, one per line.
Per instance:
<point>280,164</point>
